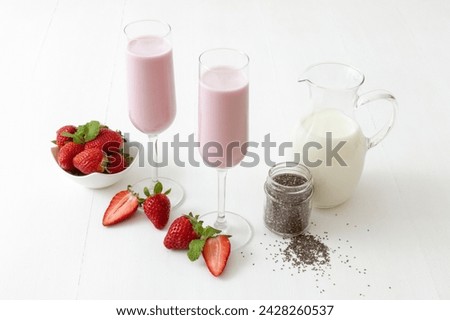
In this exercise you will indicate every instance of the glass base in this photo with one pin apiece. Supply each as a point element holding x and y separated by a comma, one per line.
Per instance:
<point>176,195</point>
<point>237,227</point>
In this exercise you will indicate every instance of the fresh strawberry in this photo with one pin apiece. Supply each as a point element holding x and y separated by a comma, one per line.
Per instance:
<point>61,140</point>
<point>182,231</point>
<point>67,153</point>
<point>157,206</point>
<point>91,160</point>
<point>117,162</point>
<point>122,206</point>
<point>106,140</point>
<point>215,253</point>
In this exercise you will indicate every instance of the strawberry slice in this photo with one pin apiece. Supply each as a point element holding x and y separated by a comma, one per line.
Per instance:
<point>208,242</point>
<point>122,206</point>
<point>215,253</point>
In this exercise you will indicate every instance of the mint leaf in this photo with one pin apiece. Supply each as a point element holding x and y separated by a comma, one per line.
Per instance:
<point>85,132</point>
<point>209,232</point>
<point>81,130</point>
<point>78,136</point>
<point>195,249</point>
<point>91,130</point>
<point>67,134</point>
<point>78,139</point>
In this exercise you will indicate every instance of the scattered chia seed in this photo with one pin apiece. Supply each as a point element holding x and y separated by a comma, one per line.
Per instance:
<point>307,251</point>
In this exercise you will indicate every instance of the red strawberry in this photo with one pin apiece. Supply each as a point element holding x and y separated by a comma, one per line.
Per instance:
<point>117,162</point>
<point>215,253</point>
<point>106,140</point>
<point>157,206</point>
<point>62,140</point>
<point>122,206</point>
<point>181,232</point>
<point>91,160</point>
<point>67,153</point>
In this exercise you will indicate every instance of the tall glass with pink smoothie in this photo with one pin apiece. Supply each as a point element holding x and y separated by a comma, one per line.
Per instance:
<point>223,115</point>
<point>223,128</point>
<point>151,88</point>
<point>151,91</point>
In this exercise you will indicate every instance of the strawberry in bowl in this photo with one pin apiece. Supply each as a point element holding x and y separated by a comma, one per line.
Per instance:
<point>92,154</point>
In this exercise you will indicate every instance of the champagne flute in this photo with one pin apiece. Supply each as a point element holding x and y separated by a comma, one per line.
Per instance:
<point>151,91</point>
<point>223,129</point>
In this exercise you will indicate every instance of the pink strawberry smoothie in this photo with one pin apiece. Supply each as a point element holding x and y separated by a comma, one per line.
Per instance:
<point>151,88</point>
<point>223,113</point>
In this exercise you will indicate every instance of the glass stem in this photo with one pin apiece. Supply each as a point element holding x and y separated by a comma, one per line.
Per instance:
<point>221,223</point>
<point>154,157</point>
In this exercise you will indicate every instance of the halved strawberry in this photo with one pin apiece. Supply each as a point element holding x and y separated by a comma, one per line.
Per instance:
<point>215,253</point>
<point>91,160</point>
<point>122,206</point>
<point>106,140</point>
<point>67,153</point>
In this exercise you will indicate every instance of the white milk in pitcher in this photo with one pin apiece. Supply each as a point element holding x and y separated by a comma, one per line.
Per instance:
<point>335,181</point>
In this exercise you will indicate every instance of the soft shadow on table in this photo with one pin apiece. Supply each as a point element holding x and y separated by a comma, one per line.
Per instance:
<point>380,195</point>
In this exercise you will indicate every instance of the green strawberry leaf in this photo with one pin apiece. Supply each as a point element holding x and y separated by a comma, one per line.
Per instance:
<point>146,192</point>
<point>158,188</point>
<point>167,192</point>
<point>128,159</point>
<point>195,249</point>
<point>197,225</point>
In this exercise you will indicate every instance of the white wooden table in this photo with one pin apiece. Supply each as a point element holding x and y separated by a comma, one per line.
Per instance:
<point>62,61</point>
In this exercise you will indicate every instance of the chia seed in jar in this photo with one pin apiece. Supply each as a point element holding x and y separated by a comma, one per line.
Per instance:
<point>289,190</point>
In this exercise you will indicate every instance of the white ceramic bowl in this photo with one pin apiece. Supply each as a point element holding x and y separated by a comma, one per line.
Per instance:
<point>98,180</point>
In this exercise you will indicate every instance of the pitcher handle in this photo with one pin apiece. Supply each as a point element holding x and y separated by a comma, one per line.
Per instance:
<point>375,96</point>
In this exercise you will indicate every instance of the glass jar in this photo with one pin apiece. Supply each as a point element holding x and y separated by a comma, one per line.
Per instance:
<point>289,191</point>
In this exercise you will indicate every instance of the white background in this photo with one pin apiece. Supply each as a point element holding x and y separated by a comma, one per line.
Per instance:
<point>63,62</point>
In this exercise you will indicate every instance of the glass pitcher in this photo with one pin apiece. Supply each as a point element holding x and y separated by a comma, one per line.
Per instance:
<point>328,140</point>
